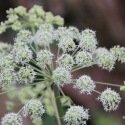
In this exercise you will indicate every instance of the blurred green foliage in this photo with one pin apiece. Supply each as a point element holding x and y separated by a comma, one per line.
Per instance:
<point>104,119</point>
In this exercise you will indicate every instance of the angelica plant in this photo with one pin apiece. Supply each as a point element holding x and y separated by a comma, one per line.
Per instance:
<point>31,63</point>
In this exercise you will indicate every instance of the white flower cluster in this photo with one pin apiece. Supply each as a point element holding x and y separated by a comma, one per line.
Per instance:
<point>7,62</point>
<point>104,59</point>
<point>4,48</point>
<point>67,44</point>
<point>7,78</point>
<point>85,84</point>
<point>30,60</point>
<point>21,53</point>
<point>84,59</point>
<point>66,61</point>
<point>26,74</point>
<point>88,40</point>
<point>4,51</point>
<point>34,108</point>
<point>76,115</point>
<point>2,27</point>
<point>44,36</point>
<point>66,37</point>
<point>44,57</point>
<point>61,76</point>
<point>119,53</point>
<point>12,119</point>
<point>24,36</point>
<point>110,99</point>
<point>66,32</point>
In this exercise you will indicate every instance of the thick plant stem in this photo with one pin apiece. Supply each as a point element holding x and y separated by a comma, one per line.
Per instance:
<point>57,105</point>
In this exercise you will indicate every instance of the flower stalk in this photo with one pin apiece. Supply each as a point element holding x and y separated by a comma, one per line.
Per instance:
<point>56,104</point>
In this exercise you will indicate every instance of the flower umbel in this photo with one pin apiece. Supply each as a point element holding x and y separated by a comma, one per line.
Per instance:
<point>84,59</point>
<point>61,76</point>
<point>88,40</point>
<point>34,108</point>
<point>76,115</point>
<point>104,59</point>
<point>32,60</point>
<point>109,99</point>
<point>66,61</point>
<point>44,57</point>
<point>67,44</point>
<point>119,53</point>
<point>85,84</point>
<point>44,36</point>
<point>24,36</point>
<point>12,119</point>
<point>21,53</point>
<point>7,78</point>
<point>5,48</point>
<point>26,74</point>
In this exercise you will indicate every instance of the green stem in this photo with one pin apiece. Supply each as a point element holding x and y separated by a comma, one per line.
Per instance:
<point>77,68</point>
<point>60,89</point>
<point>57,105</point>
<point>75,51</point>
<point>58,52</point>
<point>105,83</point>
<point>97,92</point>
<point>32,48</point>
<point>80,67</point>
